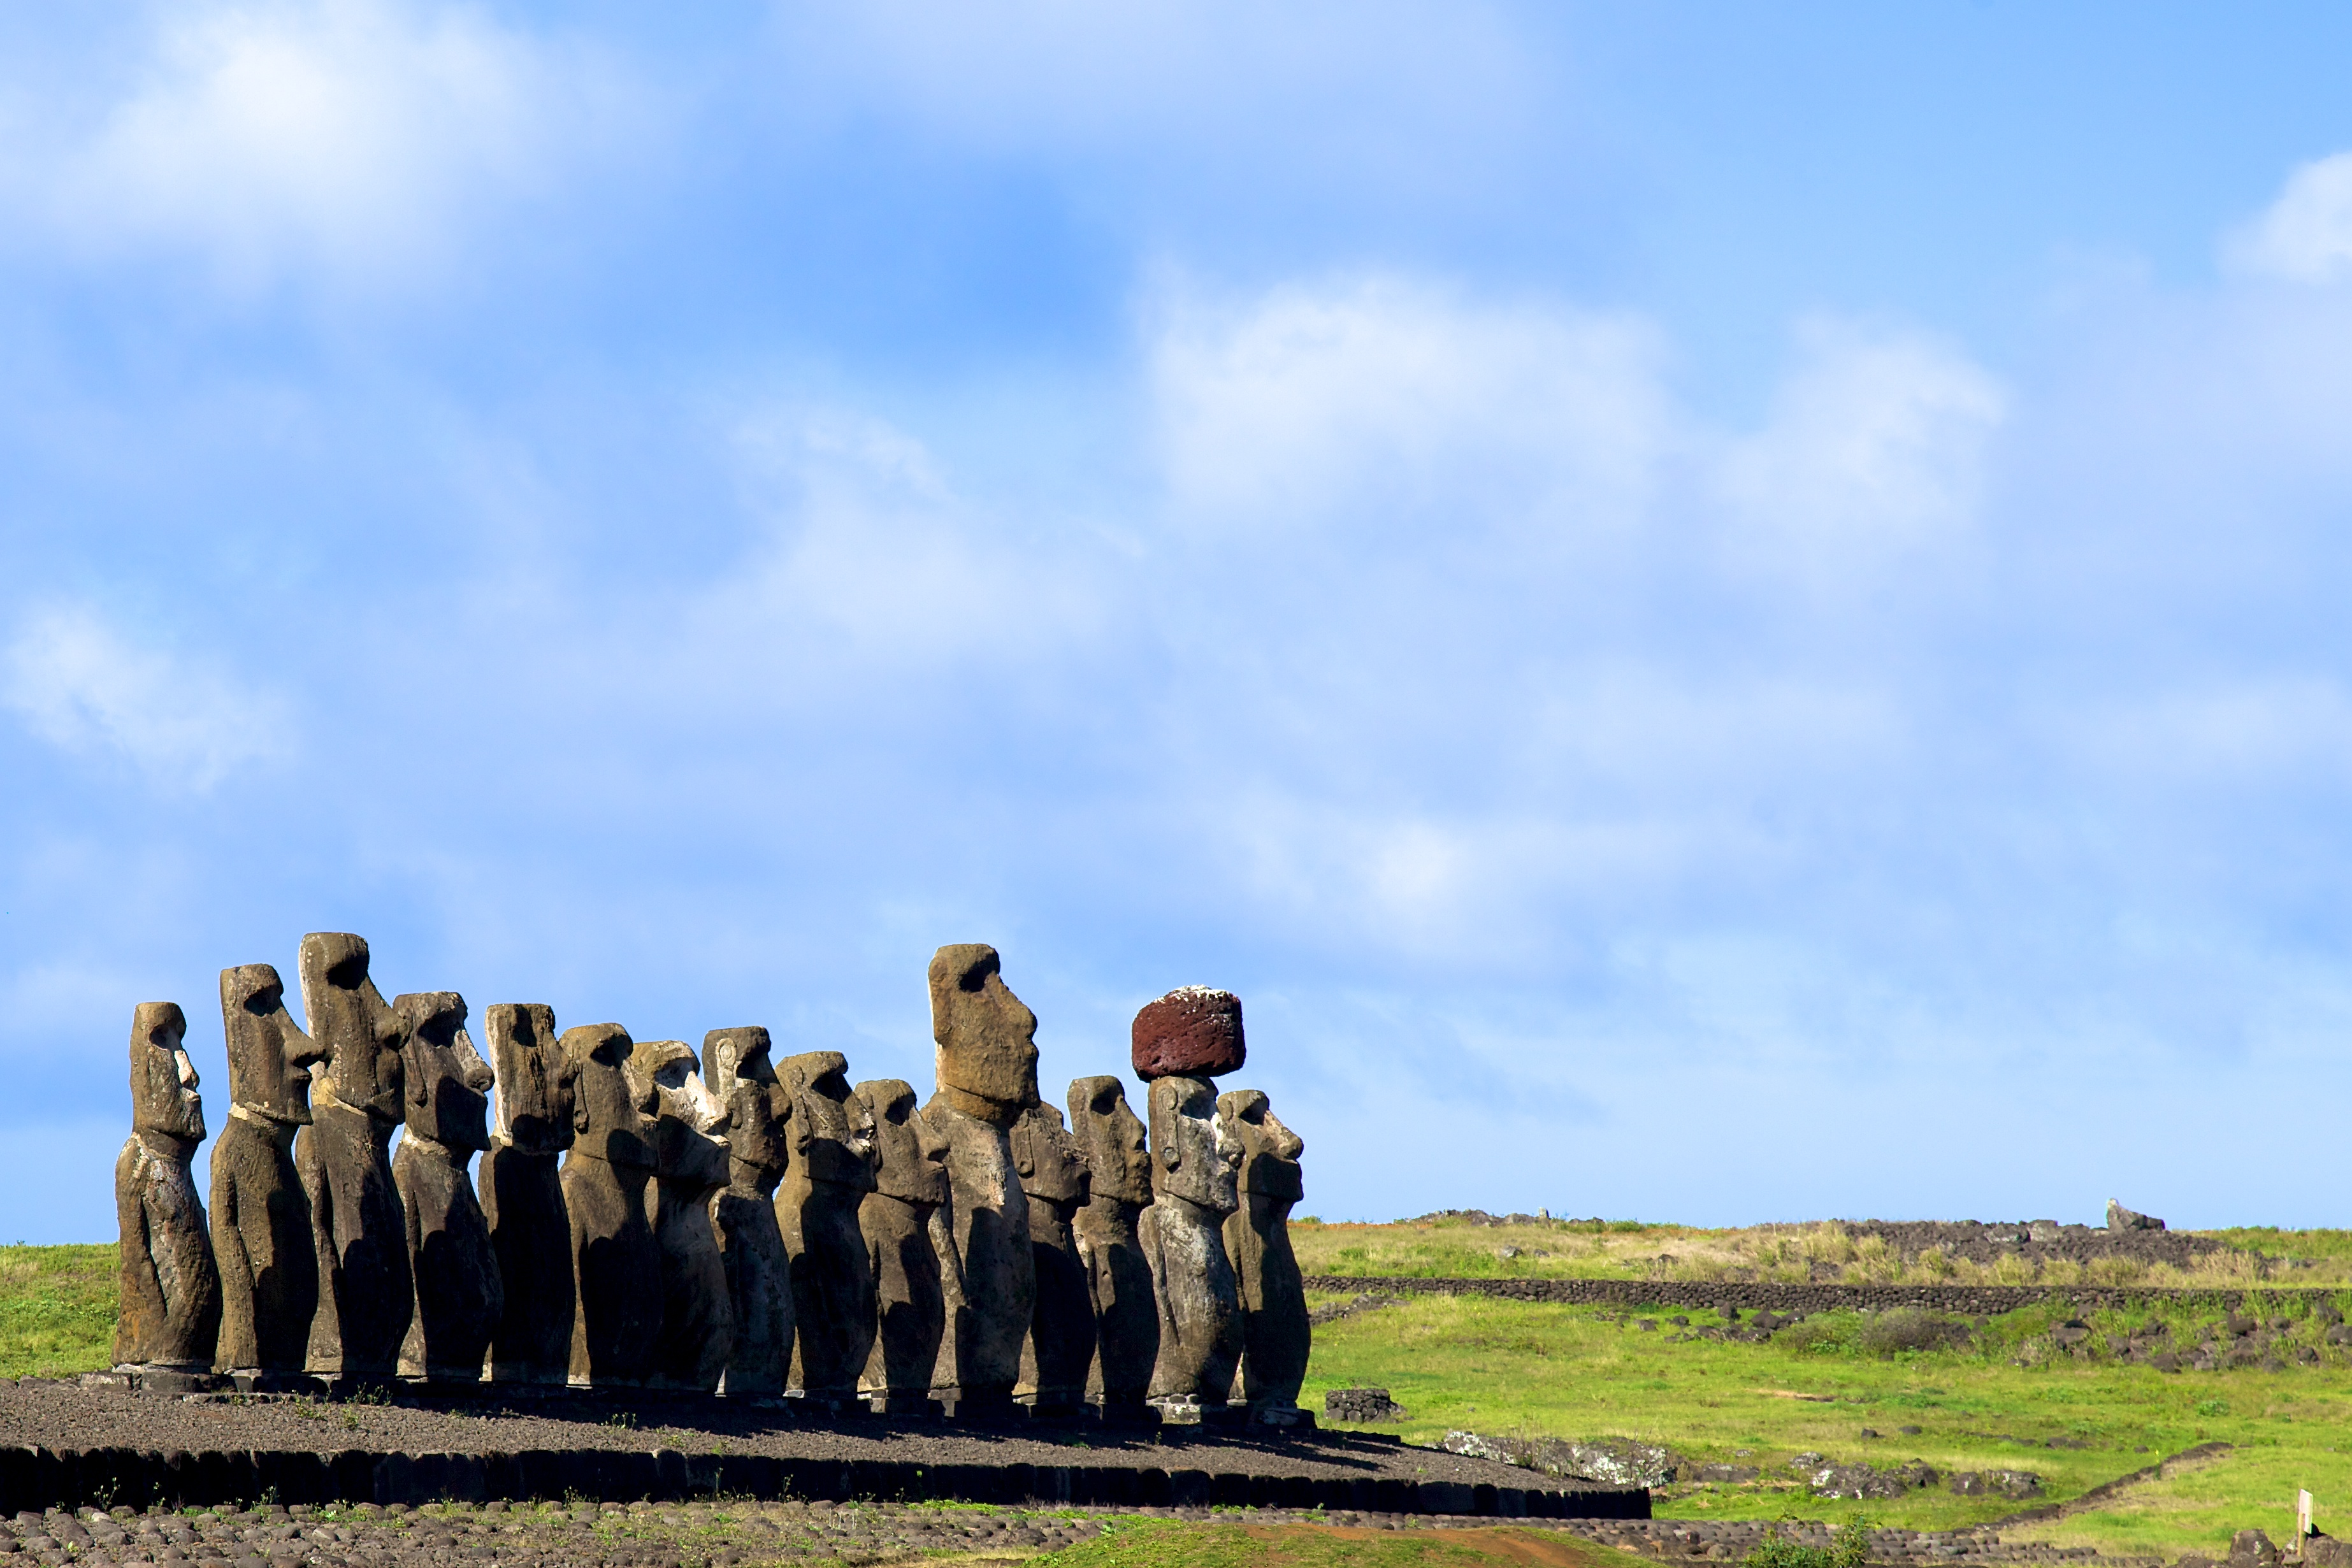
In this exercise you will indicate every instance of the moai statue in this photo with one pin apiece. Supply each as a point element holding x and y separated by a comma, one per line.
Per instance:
<point>616,1264</point>
<point>366,1296</point>
<point>910,1185</point>
<point>816,1210</point>
<point>171,1312</point>
<point>459,1297</point>
<point>737,1070</point>
<point>987,1072</point>
<point>1180,1041</point>
<point>262,1240</point>
<point>1276,1330</point>
<point>522,1196</point>
<point>1118,1186</point>
<point>698,1318</point>
<point>1061,1343</point>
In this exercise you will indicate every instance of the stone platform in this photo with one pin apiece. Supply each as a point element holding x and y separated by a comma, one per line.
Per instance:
<point>65,1446</point>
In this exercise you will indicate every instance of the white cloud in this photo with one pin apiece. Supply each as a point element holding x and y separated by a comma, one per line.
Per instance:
<point>1875,444</point>
<point>1313,400</point>
<point>80,686</point>
<point>2305,235</point>
<point>352,135</point>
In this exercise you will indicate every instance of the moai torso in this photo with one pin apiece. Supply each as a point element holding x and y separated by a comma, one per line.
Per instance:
<point>459,1295</point>
<point>816,1211</point>
<point>987,1070</point>
<point>169,1320</point>
<point>366,1294</point>
<point>1061,1343</point>
<point>1182,1236</point>
<point>910,1183</point>
<point>522,1196</point>
<point>1119,1278</point>
<point>616,1264</point>
<point>739,1070</point>
<point>1276,1330</point>
<point>697,1320</point>
<point>262,1240</point>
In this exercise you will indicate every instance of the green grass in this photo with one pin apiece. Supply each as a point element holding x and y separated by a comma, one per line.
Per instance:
<point>57,1309</point>
<point>1169,1543</point>
<point>1504,1368</point>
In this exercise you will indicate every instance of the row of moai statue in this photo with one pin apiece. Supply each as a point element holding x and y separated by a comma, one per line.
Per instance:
<point>648,1217</point>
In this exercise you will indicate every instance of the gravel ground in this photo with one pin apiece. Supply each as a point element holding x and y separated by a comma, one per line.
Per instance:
<point>66,1416</point>
<point>731,1532</point>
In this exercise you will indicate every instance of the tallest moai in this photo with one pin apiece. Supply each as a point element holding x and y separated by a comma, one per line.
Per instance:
<point>987,1076</point>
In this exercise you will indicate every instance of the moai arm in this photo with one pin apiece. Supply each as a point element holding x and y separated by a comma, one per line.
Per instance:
<point>238,1344</point>
<point>143,1291</point>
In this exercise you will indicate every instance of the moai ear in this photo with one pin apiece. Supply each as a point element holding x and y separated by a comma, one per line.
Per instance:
<point>1163,1131</point>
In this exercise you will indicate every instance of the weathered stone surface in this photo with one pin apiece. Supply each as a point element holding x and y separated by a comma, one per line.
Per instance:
<point>522,1196</point>
<point>1182,1237</point>
<point>910,1183</point>
<point>262,1240</point>
<point>697,1320</point>
<point>987,1058</point>
<point>987,1076</point>
<point>1194,1031</point>
<point>832,1171</point>
<point>1119,1278</point>
<point>170,1315</point>
<point>2122,1218</point>
<point>459,1296</point>
<point>1060,1348</point>
<point>366,1295</point>
<point>1274,1328</point>
<point>739,1070</point>
<point>616,1265</point>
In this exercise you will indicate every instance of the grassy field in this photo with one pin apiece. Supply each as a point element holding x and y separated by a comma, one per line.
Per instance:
<point>1505,1368</point>
<point>1582,1249</point>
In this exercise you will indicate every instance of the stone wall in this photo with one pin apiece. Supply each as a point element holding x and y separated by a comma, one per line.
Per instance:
<point>1981,1300</point>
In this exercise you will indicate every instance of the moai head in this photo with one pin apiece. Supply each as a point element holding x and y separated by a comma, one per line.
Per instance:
<point>448,1082</point>
<point>608,1112</point>
<point>1119,1164</point>
<point>534,1078</point>
<point>1053,1165</point>
<point>1269,1150</point>
<point>1191,1158</point>
<point>740,1074</point>
<point>352,1023</point>
<point>987,1039</point>
<point>832,1131</point>
<point>164,1098</point>
<point>685,1149</point>
<point>269,1057</point>
<point>913,1153</point>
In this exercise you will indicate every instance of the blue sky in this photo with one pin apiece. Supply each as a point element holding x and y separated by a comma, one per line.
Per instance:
<point>1712,612</point>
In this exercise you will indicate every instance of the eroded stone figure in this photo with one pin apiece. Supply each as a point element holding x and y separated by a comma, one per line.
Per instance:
<point>1061,1343</point>
<point>169,1321</point>
<point>739,1070</point>
<point>262,1240</point>
<point>1276,1331</point>
<point>366,1294</point>
<point>459,1296</point>
<point>1182,1236</point>
<point>1118,1188</point>
<point>522,1194</point>
<point>910,1183</point>
<point>987,1075</point>
<point>616,1264</point>
<point>698,1318</point>
<point>816,1211</point>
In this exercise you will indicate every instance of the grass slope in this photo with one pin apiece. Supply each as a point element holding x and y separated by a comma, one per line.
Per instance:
<point>1169,1543</point>
<point>1506,1368</point>
<point>57,1309</point>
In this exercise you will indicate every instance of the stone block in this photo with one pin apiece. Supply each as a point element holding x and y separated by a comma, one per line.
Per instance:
<point>1194,1031</point>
